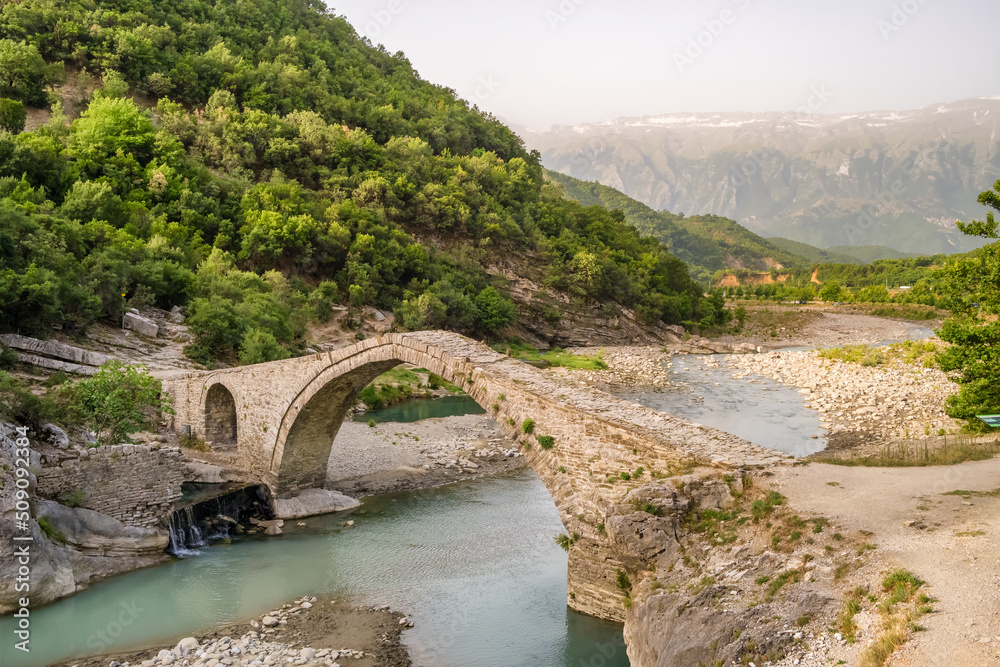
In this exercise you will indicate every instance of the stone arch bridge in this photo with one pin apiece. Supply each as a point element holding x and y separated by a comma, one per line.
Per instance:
<point>284,416</point>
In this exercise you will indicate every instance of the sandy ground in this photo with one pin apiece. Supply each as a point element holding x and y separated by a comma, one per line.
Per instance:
<point>395,457</point>
<point>962,572</point>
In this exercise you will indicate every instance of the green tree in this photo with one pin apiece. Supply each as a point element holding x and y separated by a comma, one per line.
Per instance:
<point>971,290</point>
<point>118,401</point>
<point>495,312</point>
<point>23,72</point>
<point>260,345</point>
<point>830,291</point>
<point>12,115</point>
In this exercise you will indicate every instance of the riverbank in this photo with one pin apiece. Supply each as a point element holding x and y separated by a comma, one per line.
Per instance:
<point>773,327</point>
<point>392,456</point>
<point>865,408</point>
<point>308,631</point>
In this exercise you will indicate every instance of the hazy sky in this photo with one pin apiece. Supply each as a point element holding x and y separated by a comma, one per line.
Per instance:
<point>539,62</point>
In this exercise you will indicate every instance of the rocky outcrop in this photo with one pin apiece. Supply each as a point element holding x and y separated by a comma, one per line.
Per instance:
<point>139,324</point>
<point>94,534</point>
<point>312,502</point>
<point>75,548</point>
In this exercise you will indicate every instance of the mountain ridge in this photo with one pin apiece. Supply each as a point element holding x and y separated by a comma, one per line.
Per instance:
<point>893,178</point>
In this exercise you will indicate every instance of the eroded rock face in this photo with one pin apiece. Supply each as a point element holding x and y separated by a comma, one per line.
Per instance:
<point>666,630</point>
<point>95,534</point>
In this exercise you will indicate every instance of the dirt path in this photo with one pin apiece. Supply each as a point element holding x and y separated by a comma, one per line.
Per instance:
<point>962,571</point>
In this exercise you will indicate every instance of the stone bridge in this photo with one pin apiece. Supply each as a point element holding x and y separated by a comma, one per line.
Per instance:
<point>284,416</point>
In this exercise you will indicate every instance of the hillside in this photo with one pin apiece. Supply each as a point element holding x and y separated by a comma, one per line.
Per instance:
<point>908,175</point>
<point>707,243</point>
<point>257,163</point>
<point>813,254</point>
<point>871,253</point>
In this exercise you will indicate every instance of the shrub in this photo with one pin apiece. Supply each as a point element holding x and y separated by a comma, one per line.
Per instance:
<point>118,401</point>
<point>8,357</point>
<point>73,498</point>
<point>259,346</point>
<point>528,426</point>
<point>546,441</point>
<point>12,115</point>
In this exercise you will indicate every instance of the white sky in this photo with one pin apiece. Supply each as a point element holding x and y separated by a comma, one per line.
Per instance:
<point>544,62</point>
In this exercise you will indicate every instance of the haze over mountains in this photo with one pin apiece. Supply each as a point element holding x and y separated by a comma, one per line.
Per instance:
<point>895,179</point>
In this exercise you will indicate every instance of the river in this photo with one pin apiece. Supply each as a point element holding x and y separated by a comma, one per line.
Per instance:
<point>472,564</point>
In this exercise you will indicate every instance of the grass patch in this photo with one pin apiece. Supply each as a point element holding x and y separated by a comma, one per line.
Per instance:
<point>761,509</point>
<point>51,531</point>
<point>974,494</point>
<point>902,455</point>
<point>779,582</point>
<point>970,533</point>
<point>556,357</point>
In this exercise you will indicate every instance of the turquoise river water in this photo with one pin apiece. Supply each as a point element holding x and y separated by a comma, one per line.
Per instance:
<point>472,564</point>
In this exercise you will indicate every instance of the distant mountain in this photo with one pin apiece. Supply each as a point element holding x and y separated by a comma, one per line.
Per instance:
<point>813,254</point>
<point>707,243</point>
<point>867,254</point>
<point>897,179</point>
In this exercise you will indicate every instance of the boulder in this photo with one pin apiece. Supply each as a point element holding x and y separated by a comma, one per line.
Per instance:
<point>96,534</point>
<point>175,315</point>
<point>56,436</point>
<point>141,325</point>
<point>312,502</point>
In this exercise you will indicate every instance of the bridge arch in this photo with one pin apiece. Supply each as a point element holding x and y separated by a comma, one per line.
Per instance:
<point>221,422</point>
<point>309,427</point>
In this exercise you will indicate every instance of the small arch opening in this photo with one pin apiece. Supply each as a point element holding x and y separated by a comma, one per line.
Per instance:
<point>220,417</point>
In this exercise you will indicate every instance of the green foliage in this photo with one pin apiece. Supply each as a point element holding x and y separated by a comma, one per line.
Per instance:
<point>528,426</point>
<point>118,401</point>
<point>289,166</point>
<point>546,441</point>
<point>50,530</point>
<point>761,509</point>
<point>259,346</point>
<point>8,358</point>
<point>971,290</point>
<point>12,115</point>
<point>73,498</point>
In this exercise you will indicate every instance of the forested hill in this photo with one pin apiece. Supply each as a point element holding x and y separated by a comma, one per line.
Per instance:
<point>256,162</point>
<point>708,243</point>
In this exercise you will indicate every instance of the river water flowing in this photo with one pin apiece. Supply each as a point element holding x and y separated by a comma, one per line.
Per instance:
<point>472,564</point>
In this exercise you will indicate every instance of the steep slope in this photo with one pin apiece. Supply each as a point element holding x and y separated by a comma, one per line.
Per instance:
<point>288,167</point>
<point>707,243</point>
<point>898,179</point>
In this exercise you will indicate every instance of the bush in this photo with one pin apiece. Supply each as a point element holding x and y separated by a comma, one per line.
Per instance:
<point>546,441</point>
<point>12,115</point>
<point>8,358</point>
<point>118,401</point>
<point>259,346</point>
<point>528,426</point>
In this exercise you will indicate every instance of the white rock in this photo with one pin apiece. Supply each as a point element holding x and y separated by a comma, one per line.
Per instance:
<point>269,621</point>
<point>186,646</point>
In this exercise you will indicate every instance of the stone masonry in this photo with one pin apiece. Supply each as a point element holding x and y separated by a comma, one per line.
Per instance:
<point>287,414</point>
<point>135,484</point>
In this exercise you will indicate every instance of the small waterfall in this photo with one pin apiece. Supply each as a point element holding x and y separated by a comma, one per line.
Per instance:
<point>204,518</point>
